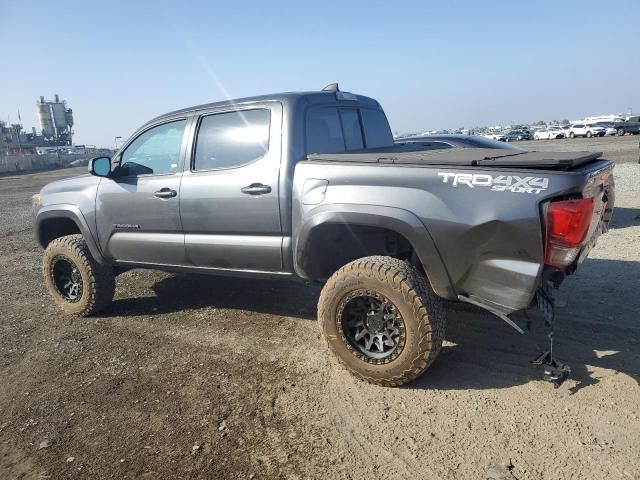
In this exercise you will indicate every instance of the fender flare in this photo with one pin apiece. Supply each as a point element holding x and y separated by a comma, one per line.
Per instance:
<point>71,212</point>
<point>396,219</point>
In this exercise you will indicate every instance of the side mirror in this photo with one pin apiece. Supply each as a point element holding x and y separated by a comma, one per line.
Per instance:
<point>100,166</point>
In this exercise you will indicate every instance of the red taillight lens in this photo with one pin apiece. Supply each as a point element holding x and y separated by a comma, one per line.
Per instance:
<point>568,222</point>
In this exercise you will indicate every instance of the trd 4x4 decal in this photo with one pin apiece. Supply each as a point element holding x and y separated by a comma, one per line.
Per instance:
<point>500,183</point>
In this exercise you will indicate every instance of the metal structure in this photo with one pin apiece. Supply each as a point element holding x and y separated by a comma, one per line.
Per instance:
<point>56,120</point>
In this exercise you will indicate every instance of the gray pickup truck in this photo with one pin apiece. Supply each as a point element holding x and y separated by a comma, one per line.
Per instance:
<point>312,186</point>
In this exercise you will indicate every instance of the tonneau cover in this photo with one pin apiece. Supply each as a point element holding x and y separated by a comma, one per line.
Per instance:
<point>481,157</point>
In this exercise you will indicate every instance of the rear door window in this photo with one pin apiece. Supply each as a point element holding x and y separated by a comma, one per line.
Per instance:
<point>232,139</point>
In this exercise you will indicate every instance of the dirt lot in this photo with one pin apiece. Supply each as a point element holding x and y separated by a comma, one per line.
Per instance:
<point>200,377</point>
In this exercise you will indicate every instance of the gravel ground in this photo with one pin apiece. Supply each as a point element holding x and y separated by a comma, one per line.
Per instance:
<point>201,377</point>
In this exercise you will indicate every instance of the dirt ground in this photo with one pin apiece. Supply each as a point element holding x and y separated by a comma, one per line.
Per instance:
<point>203,377</point>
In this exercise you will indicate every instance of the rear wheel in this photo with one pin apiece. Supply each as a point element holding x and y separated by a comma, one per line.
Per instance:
<point>381,320</point>
<point>78,284</point>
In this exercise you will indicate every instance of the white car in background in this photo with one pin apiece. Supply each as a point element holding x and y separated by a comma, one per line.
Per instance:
<point>495,136</point>
<point>549,133</point>
<point>566,129</point>
<point>586,130</point>
<point>609,129</point>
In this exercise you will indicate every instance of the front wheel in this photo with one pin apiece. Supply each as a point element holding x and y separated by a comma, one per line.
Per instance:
<point>572,135</point>
<point>78,284</point>
<point>381,320</point>
<point>589,134</point>
<point>621,132</point>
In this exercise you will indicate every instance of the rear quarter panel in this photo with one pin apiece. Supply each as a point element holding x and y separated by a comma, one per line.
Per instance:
<point>490,241</point>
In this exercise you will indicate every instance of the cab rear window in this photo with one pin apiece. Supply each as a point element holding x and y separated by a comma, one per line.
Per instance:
<point>342,129</point>
<point>377,132</point>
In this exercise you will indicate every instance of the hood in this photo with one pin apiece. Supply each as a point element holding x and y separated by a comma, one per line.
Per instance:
<point>71,184</point>
<point>73,190</point>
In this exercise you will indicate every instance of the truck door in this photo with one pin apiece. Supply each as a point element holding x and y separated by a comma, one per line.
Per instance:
<point>229,202</point>
<point>137,211</point>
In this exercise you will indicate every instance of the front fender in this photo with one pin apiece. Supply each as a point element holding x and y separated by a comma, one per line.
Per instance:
<point>391,218</point>
<point>72,212</point>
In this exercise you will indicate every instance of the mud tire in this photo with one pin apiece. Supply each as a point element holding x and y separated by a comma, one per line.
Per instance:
<point>422,312</point>
<point>98,281</point>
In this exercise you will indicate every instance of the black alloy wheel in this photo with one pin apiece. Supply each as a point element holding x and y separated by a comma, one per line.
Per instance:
<point>67,278</point>
<point>372,325</point>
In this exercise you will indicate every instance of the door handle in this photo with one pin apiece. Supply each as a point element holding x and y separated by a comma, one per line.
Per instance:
<point>256,189</point>
<point>165,193</point>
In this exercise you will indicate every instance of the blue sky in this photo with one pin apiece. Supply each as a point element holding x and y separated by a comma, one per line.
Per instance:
<point>431,64</point>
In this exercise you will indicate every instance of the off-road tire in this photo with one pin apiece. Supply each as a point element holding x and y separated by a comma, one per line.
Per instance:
<point>421,310</point>
<point>97,279</point>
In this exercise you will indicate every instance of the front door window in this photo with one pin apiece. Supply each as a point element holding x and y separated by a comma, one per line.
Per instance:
<point>155,152</point>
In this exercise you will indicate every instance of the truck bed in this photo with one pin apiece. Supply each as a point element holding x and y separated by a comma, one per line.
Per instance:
<point>487,229</point>
<point>474,157</point>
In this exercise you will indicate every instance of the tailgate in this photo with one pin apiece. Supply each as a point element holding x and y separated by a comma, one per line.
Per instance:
<point>600,187</point>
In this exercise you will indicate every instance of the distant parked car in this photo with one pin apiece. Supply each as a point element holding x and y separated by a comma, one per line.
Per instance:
<point>609,128</point>
<point>586,130</point>
<point>566,129</point>
<point>439,142</point>
<point>83,162</point>
<point>517,136</point>
<point>630,125</point>
<point>495,136</point>
<point>549,133</point>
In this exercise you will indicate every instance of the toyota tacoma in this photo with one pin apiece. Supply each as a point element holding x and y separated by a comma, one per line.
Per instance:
<point>311,185</point>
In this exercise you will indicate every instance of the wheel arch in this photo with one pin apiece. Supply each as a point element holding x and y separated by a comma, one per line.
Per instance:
<point>57,221</point>
<point>310,246</point>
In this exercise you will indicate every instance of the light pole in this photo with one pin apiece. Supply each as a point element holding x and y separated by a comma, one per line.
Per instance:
<point>115,141</point>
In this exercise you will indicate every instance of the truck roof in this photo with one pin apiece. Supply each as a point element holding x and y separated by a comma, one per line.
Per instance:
<point>285,98</point>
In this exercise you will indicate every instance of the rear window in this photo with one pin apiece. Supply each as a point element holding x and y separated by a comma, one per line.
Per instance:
<point>341,129</point>
<point>377,132</point>
<point>351,128</point>
<point>324,132</point>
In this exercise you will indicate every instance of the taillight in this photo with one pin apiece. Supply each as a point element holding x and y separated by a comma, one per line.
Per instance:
<point>568,222</point>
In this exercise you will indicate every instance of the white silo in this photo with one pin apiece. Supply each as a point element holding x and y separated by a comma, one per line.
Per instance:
<point>46,119</point>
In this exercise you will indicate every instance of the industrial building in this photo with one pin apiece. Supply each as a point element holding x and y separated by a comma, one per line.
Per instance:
<point>56,130</point>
